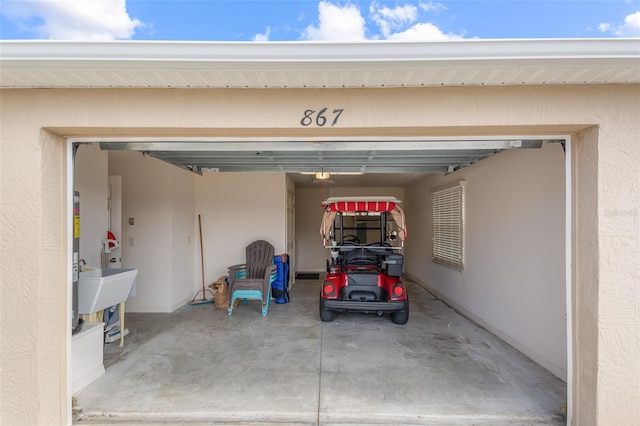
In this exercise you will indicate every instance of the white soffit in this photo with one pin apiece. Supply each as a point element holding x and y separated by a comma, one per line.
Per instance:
<point>373,64</point>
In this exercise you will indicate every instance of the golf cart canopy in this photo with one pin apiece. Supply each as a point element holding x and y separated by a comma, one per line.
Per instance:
<point>371,204</point>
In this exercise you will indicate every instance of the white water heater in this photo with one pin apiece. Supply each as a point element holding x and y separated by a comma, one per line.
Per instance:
<point>75,263</point>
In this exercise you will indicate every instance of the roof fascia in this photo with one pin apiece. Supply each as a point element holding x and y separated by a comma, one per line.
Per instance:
<point>36,53</point>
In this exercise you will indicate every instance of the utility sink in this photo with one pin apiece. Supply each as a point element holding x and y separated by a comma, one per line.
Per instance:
<point>100,289</point>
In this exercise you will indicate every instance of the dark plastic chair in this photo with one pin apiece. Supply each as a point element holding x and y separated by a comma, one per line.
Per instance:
<point>252,280</point>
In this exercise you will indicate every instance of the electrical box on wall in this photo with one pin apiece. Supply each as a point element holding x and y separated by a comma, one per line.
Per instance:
<point>132,221</point>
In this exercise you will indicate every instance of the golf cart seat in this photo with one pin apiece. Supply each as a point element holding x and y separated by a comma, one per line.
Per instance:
<point>252,280</point>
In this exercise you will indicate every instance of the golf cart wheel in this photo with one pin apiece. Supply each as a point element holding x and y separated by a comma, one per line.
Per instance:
<point>325,314</point>
<point>400,317</point>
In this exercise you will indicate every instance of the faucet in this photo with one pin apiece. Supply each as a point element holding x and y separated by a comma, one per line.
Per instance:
<point>82,262</point>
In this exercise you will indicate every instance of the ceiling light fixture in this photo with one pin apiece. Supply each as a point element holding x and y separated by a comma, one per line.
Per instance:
<point>333,173</point>
<point>323,175</point>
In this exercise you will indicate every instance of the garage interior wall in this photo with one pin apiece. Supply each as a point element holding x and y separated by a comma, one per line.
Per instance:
<point>164,242</point>
<point>160,199</point>
<point>236,209</point>
<point>514,276</point>
<point>33,188</point>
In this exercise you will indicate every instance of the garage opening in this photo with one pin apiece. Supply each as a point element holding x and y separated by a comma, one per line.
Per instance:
<point>243,187</point>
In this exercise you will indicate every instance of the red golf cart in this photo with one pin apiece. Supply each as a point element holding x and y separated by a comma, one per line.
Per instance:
<point>365,236</point>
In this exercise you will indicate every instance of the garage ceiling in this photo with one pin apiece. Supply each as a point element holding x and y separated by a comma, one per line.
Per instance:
<point>337,156</point>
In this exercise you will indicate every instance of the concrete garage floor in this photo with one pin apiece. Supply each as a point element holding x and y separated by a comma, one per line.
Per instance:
<point>198,365</point>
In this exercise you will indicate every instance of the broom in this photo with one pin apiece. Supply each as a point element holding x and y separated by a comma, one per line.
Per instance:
<point>202,300</point>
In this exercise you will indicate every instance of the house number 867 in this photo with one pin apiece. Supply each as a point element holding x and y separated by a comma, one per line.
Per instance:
<point>320,118</point>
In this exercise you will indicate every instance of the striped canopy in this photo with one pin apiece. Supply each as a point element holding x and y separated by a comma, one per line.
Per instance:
<point>361,204</point>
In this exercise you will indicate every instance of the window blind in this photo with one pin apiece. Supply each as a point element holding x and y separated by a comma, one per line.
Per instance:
<point>448,227</point>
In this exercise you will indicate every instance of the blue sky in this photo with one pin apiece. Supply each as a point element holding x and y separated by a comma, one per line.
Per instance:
<point>294,20</point>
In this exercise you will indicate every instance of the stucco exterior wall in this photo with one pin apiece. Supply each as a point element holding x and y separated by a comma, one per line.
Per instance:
<point>34,123</point>
<point>34,319</point>
<point>586,273</point>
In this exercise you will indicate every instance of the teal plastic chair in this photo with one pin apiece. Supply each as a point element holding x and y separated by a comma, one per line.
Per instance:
<point>252,280</point>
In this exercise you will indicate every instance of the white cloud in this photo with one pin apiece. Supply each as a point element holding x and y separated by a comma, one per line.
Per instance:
<point>629,28</point>
<point>424,32</point>
<point>437,7</point>
<point>398,23</point>
<point>388,19</point>
<point>263,37</point>
<point>604,27</point>
<point>93,20</point>
<point>337,23</point>
<point>345,23</point>
<point>399,14</point>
